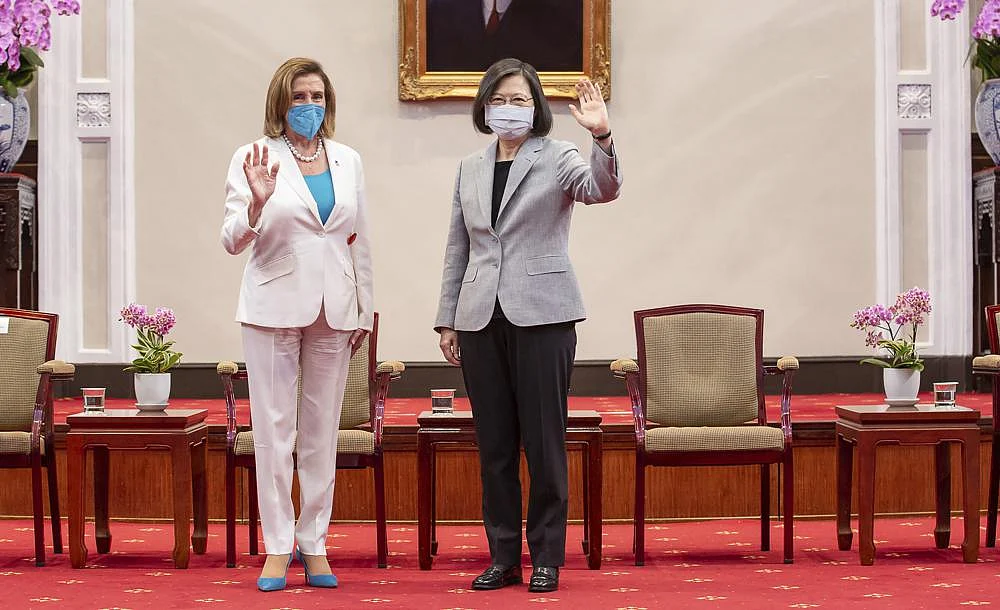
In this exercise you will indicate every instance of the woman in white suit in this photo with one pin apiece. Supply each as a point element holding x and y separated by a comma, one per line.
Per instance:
<point>296,199</point>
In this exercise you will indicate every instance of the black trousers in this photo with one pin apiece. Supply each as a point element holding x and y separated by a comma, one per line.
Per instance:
<point>517,379</point>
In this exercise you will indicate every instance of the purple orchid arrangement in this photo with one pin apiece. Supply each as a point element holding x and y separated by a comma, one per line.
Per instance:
<point>883,327</point>
<point>985,52</point>
<point>155,354</point>
<point>25,30</point>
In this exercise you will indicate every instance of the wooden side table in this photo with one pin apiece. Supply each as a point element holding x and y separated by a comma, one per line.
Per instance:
<point>181,431</point>
<point>867,427</point>
<point>582,428</point>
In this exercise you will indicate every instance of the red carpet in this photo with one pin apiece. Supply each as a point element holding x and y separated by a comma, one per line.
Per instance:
<point>710,564</point>
<point>614,409</point>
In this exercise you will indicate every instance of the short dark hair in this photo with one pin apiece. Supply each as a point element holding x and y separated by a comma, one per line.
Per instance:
<point>488,85</point>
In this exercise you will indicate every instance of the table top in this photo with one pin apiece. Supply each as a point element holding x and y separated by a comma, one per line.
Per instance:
<point>916,414</point>
<point>463,419</point>
<point>133,419</point>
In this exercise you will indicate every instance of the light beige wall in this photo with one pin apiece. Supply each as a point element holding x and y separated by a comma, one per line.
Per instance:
<point>745,132</point>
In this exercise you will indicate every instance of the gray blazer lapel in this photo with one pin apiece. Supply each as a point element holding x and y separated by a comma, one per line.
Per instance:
<point>484,181</point>
<point>289,172</point>
<point>525,158</point>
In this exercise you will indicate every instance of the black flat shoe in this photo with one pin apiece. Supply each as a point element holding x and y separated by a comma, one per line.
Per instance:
<point>544,580</point>
<point>496,577</point>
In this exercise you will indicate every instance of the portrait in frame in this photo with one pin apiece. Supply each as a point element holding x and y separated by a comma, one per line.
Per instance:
<point>445,45</point>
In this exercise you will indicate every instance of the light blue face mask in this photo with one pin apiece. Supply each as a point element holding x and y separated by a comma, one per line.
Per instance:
<point>306,119</point>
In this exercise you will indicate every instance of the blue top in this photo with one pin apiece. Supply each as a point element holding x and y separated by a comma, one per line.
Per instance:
<point>321,187</point>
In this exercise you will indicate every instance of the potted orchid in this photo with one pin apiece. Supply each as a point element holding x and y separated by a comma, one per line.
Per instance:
<point>156,356</point>
<point>985,55</point>
<point>24,31</point>
<point>893,330</point>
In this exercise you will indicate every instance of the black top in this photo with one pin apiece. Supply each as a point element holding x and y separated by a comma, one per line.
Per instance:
<point>500,173</point>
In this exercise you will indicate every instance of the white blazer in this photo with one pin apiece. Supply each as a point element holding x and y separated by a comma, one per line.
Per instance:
<point>298,264</point>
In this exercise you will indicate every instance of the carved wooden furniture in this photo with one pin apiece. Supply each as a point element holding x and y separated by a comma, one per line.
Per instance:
<point>27,369</point>
<point>990,366</point>
<point>182,432</point>
<point>698,400</point>
<point>18,243</point>
<point>456,430</point>
<point>861,429</point>
<point>359,441</point>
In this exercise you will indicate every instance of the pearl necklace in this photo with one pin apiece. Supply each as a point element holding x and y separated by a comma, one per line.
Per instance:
<point>300,156</point>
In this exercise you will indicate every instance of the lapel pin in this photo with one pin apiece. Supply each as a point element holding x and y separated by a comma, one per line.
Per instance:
<point>350,240</point>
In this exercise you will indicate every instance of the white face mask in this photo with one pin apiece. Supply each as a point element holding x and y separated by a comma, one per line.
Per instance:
<point>510,122</point>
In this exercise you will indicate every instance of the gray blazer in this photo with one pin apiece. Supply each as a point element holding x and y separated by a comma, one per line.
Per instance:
<point>525,261</point>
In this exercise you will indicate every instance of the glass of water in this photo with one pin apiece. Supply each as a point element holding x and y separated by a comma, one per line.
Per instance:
<point>944,393</point>
<point>93,400</point>
<point>442,400</point>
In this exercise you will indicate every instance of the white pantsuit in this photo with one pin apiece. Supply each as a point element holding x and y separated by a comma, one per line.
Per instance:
<point>306,286</point>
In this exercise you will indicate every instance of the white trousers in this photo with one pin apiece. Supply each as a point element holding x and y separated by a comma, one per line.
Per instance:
<point>273,357</point>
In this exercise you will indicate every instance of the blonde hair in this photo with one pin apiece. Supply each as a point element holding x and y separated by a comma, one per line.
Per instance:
<point>279,96</point>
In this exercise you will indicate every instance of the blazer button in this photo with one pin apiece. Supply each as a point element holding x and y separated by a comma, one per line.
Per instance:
<point>320,234</point>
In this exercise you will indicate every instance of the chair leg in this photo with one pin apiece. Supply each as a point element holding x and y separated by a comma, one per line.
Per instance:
<point>254,513</point>
<point>765,507</point>
<point>381,541</point>
<point>585,468</point>
<point>38,508</point>
<point>788,485</point>
<point>54,502</point>
<point>991,511</point>
<point>639,518</point>
<point>230,511</point>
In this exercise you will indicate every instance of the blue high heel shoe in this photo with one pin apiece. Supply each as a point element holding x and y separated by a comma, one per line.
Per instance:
<point>274,583</point>
<point>327,581</point>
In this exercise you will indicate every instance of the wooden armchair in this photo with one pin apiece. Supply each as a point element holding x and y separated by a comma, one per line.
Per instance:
<point>990,365</point>
<point>27,370</point>
<point>697,400</point>
<point>359,442</point>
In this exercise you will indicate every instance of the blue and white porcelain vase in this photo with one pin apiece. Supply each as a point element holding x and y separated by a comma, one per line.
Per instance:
<point>15,117</point>
<point>988,117</point>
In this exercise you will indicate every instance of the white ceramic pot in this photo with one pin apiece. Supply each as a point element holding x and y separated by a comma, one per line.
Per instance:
<point>152,390</point>
<point>987,111</point>
<point>901,384</point>
<point>15,118</point>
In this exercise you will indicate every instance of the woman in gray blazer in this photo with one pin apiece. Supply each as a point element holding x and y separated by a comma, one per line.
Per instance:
<point>510,301</point>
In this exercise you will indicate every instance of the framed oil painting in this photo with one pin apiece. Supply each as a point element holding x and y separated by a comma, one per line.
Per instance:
<point>445,45</point>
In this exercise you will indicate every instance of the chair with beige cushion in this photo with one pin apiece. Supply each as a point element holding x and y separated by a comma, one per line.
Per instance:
<point>359,441</point>
<point>27,370</point>
<point>990,365</point>
<point>697,399</point>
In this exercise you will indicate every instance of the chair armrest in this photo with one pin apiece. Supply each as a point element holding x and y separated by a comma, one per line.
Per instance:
<point>393,368</point>
<point>621,367</point>
<point>385,372</point>
<point>986,365</point>
<point>784,364</point>
<point>627,369</point>
<point>227,369</point>
<point>57,370</point>
<point>41,417</point>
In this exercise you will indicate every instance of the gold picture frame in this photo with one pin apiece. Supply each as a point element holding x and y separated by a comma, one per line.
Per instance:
<point>417,83</point>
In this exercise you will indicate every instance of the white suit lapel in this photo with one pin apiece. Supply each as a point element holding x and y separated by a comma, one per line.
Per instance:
<point>340,174</point>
